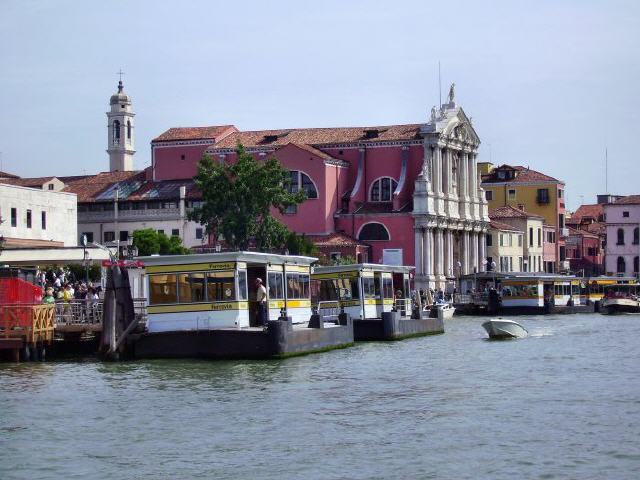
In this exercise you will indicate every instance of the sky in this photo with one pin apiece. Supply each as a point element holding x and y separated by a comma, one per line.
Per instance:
<point>550,84</point>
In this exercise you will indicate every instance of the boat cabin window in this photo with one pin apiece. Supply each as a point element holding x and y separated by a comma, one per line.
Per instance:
<point>297,286</point>
<point>563,290</point>
<point>276,287</point>
<point>191,287</point>
<point>220,286</point>
<point>387,287</point>
<point>197,287</point>
<point>520,291</point>
<point>163,289</point>
<point>339,289</point>
<point>369,288</point>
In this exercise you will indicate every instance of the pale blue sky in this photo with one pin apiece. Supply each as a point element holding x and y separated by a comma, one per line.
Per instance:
<point>548,83</point>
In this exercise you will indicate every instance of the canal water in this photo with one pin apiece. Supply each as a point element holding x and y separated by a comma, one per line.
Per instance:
<point>562,403</point>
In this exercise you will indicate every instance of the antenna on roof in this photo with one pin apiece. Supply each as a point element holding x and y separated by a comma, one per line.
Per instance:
<point>439,87</point>
<point>606,170</point>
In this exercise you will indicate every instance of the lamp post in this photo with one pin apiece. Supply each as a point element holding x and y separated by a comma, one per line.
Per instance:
<point>85,259</point>
<point>459,265</point>
<point>493,268</point>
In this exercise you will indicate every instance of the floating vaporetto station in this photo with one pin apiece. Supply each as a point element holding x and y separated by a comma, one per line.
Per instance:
<point>377,298</point>
<point>204,305</point>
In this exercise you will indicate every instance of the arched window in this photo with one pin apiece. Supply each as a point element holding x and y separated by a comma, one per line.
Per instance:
<point>373,231</point>
<point>620,236</point>
<point>302,181</point>
<point>382,189</point>
<point>129,129</point>
<point>636,265</point>
<point>621,267</point>
<point>116,130</point>
<point>636,236</point>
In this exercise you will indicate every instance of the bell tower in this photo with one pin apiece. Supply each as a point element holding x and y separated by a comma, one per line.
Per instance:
<point>121,135</point>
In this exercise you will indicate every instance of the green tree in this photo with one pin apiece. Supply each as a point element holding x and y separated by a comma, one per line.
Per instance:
<point>301,245</point>
<point>146,241</point>
<point>150,242</point>
<point>237,200</point>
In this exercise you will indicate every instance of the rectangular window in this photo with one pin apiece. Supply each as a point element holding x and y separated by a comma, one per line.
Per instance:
<point>519,240</point>
<point>14,217</point>
<point>488,195</point>
<point>109,236</point>
<point>561,220</point>
<point>531,236</point>
<point>291,210</point>
<point>297,286</point>
<point>137,205</point>
<point>512,194</point>
<point>221,286</point>
<point>175,232</point>
<point>242,285</point>
<point>50,186</point>
<point>625,214</point>
<point>489,240</point>
<point>539,237</point>
<point>124,235</point>
<point>501,240</point>
<point>560,193</point>
<point>43,220</point>
<point>28,218</point>
<point>163,289</point>
<point>543,195</point>
<point>191,287</point>
<point>123,206</point>
<point>369,287</point>
<point>160,231</point>
<point>387,288</point>
<point>198,233</point>
<point>276,286</point>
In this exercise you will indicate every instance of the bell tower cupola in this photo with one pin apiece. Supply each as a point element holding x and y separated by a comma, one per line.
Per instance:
<point>121,132</point>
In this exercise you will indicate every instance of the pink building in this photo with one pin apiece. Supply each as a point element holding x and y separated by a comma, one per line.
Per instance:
<point>409,192</point>
<point>623,236</point>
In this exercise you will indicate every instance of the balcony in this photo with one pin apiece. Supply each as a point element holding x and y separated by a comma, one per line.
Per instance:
<point>129,215</point>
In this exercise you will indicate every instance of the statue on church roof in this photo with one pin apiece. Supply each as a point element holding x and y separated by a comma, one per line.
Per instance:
<point>452,93</point>
<point>434,114</point>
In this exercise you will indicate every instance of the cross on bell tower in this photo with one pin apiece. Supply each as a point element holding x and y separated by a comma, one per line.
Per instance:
<point>121,138</point>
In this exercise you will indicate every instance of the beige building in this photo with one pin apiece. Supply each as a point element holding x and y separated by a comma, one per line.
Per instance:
<point>532,227</point>
<point>504,247</point>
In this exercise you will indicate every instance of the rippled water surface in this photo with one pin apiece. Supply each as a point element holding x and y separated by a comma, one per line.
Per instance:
<point>563,403</point>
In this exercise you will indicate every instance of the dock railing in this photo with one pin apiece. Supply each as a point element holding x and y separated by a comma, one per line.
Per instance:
<point>403,305</point>
<point>81,312</point>
<point>29,322</point>
<point>474,298</point>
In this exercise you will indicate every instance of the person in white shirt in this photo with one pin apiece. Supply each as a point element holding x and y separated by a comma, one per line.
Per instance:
<point>261,299</point>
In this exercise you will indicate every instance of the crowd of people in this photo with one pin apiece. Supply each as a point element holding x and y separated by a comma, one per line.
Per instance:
<point>60,287</point>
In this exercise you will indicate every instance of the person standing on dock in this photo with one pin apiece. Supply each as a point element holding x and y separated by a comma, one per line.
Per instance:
<point>261,299</point>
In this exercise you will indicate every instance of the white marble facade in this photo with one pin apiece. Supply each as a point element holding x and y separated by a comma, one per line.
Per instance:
<point>450,212</point>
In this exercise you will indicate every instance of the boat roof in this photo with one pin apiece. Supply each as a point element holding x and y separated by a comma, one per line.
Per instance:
<point>622,285</point>
<point>371,267</point>
<point>247,257</point>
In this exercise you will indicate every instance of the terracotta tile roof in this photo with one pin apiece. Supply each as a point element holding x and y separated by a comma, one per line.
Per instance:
<point>511,212</point>
<point>594,211</point>
<point>8,175</point>
<point>318,136</point>
<point>629,200</point>
<point>502,226</point>
<point>311,150</point>
<point>335,240</point>
<point>87,188</point>
<point>35,182</point>
<point>30,243</point>
<point>580,232</point>
<point>523,175</point>
<point>194,133</point>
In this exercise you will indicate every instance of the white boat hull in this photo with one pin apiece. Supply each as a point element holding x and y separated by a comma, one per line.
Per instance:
<point>499,328</point>
<point>442,311</point>
<point>612,306</point>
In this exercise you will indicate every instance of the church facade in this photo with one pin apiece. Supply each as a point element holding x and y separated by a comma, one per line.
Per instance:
<point>410,192</point>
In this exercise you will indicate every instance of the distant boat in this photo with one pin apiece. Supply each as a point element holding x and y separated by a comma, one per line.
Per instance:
<point>442,311</point>
<point>621,299</point>
<point>501,328</point>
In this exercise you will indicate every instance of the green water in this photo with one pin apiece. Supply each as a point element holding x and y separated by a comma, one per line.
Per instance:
<point>562,403</point>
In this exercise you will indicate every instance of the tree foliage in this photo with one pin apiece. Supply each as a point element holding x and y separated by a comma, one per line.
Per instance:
<point>238,198</point>
<point>301,245</point>
<point>150,242</point>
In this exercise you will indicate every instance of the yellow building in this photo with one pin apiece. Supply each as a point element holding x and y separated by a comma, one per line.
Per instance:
<point>530,191</point>
<point>505,247</point>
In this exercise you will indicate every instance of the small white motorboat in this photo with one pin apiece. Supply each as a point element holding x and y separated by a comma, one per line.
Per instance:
<point>501,328</point>
<point>442,311</point>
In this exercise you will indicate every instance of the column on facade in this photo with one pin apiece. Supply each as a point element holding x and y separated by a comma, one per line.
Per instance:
<point>482,245</point>
<point>437,163</point>
<point>427,255</point>
<point>450,269</point>
<point>464,253</point>
<point>474,252</point>
<point>437,253</point>
<point>472,182</point>
<point>419,254</point>
<point>446,180</point>
<point>443,253</point>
